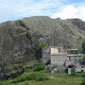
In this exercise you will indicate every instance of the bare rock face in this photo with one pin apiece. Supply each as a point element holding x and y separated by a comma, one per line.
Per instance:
<point>79,23</point>
<point>20,41</point>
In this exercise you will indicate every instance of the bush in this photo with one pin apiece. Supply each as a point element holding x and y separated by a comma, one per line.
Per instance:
<point>83,75</point>
<point>83,59</point>
<point>43,45</point>
<point>73,71</point>
<point>38,77</point>
<point>24,78</point>
<point>33,76</point>
<point>39,67</point>
<point>4,83</point>
<point>79,74</point>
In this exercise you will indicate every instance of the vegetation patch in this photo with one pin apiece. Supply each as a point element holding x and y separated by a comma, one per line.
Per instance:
<point>31,77</point>
<point>73,71</point>
<point>39,67</point>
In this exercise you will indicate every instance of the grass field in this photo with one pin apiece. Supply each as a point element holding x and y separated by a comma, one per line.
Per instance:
<point>41,78</point>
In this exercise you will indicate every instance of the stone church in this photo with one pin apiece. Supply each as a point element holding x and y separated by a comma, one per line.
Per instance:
<point>63,58</point>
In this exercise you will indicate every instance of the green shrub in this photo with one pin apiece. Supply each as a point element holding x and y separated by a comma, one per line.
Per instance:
<point>83,75</point>
<point>73,71</point>
<point>83,59</point>
<point>33,76</point>
<point>43,45</point>
<point>39,67</point>
<point>79,74</point>
<point>4,83</point>
<point>21,78</point>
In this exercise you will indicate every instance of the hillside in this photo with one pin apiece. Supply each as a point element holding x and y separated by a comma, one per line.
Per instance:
<point>20,40</point>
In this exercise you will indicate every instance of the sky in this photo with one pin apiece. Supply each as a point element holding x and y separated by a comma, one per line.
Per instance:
<point>64,9</point>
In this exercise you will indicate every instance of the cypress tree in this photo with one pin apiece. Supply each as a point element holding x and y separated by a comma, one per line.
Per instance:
<point>83,47</point>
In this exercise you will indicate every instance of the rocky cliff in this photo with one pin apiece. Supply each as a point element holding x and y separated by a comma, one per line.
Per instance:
<point>20,40</point>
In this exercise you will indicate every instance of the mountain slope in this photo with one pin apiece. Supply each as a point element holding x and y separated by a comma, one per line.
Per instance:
<point>20,40</point>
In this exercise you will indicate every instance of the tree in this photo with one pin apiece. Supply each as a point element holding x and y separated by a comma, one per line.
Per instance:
<point>39,51</point>
<point>73,71</point>
<point>83,47</point>
<point>83,59</point>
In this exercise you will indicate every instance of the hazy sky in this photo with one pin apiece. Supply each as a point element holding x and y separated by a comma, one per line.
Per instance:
<point>18,9</point>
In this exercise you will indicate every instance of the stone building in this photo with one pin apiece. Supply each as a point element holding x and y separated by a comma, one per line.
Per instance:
<point>73,58</point>
<point>57,56</point>
<point>63,58</point>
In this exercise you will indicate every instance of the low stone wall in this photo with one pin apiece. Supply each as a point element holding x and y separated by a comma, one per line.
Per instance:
<point>55,69</point>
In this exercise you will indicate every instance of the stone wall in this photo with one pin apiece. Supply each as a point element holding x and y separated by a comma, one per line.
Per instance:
<point>73,59</point>
<point>58,60</point>
<point>46,55</point>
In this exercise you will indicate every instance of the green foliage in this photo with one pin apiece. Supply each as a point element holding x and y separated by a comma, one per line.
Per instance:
<point>32,76</point>
<point>46,79</point>
<point>39,51</point>
<point>80,74</point>
<point>24,78</point>
<point>28,70</point>
<point>39,67</point>
<point>26,83</point>
<point>83,47</point>
<point>79,44</point>
<point>73,71</point>
<point>43,45</point>
<point>4,83</point>
<point>83,59</point>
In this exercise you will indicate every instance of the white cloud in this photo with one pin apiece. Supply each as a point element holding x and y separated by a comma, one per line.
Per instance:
<point>71,11</point>
<point>17,9</point>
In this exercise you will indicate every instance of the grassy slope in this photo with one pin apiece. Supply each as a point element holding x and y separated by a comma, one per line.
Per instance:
<point>59,79</point>
<point>54,79</point>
